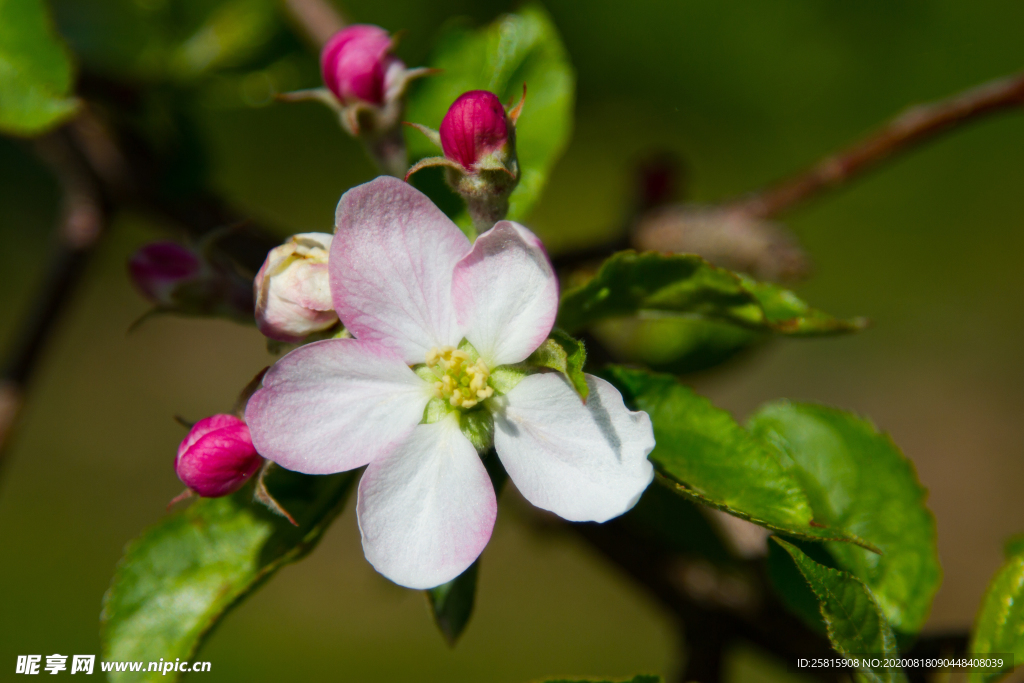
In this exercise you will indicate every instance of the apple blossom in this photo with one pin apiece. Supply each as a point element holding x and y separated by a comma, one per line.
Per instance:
<point>293,296</point>
<point>217,457</point>
<point>441,329</point>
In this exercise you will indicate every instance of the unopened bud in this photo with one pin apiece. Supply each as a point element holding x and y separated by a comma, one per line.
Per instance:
<point>365,85</point>
<point>292,288</point>
<point>476,130</point>
<point>193,282</point>
<point>159,268</point>
<point>356,64</point>
<point>478,138</point>
<point>217,457</point>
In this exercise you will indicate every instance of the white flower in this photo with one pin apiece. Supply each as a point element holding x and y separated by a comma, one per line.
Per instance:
<point>411,289</point>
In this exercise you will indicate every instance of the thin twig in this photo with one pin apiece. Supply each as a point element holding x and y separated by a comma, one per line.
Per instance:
<point>913,127</point>
<point>318,19</point>
<point>81,223</point>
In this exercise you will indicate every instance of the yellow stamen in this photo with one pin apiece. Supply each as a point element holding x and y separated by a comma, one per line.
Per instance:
<point>461,383</point>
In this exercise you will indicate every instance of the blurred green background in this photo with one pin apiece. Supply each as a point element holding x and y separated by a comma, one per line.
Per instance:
<point>930,248</point>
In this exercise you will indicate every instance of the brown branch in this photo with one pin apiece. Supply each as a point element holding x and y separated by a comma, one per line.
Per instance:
<point>82,220</point>
<point>740,235</point>
<point>913,127</point>
<point>318,19</point>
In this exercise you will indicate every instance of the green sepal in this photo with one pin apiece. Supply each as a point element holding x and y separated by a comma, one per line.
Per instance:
<point>436,410</point>
<point>451,604</point>
<point>478,426</point>
<point>504,378</point>
<point>566,355</point>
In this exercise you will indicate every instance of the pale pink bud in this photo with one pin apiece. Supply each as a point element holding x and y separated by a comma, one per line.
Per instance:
<point>356,64</point>
<point>159,268</point>
<point>217,457</point>
<point>475,126</point>
<point>293,293</point>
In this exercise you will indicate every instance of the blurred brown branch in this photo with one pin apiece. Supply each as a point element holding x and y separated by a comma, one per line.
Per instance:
<point>81,223</point>
<point>913,127</point>
<point>318,19</point>
<point>741,235</point>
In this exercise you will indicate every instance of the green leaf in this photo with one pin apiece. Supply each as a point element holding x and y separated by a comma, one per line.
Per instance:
<point>714,461</point>
<point>515,49</point>
<point>566,355</point>
<point>675,344</point>
<point>858,480</point>
<point>999,629</point>
<point>35,71</point>
<point>640,678</point>
<point>452,603</point>
<point>853,620</point>
<point>791,586</point>
<point>177,580</point>
<point>653,284</point>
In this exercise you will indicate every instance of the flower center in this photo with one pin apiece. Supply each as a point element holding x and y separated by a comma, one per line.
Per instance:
<point>461,383</point>
<point>311,251</point>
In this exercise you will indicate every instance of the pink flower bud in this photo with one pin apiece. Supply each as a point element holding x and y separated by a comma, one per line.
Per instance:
<point>217,457</point>
<point>293,294</point>
<point>356,65</point>
<point>475,126</point>
<point>157,269</point>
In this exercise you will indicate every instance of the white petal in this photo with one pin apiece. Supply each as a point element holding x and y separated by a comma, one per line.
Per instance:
<point>506,294</point>
<point>391,268</point>
<point>426,510</point>
<point>335,405</point>
<point>582,462</point>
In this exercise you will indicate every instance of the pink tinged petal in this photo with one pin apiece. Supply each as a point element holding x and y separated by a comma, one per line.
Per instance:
<point>506,294</point>
<point>583,462</point>
<point>335,405</point>
<point>426,510</point>
<point>391,268</point>
<point>292,289</point>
